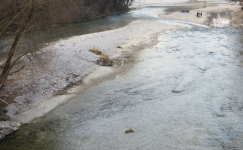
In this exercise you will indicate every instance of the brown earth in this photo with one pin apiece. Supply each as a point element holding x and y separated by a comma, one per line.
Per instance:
<point>237,19</point>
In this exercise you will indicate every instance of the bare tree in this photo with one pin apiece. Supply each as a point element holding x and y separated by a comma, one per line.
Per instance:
<point>28,7</point>
<point>23,16</point>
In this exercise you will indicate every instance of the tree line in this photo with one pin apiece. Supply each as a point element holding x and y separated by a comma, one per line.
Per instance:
<point>49,12</point>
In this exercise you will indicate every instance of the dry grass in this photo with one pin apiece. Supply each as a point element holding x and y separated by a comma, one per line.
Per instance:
<point>96,51</point>
<point>104,58</point>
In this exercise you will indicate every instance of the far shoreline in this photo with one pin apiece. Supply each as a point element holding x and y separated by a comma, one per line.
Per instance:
<point>206,12</point>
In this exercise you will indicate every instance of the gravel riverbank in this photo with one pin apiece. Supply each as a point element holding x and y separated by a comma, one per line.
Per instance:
<point>68,63</point>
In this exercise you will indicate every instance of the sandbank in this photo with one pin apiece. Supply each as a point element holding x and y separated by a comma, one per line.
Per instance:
<point>206,12</point>
<point>237,20</point>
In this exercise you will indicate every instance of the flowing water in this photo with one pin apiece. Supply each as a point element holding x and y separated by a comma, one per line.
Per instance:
<point>184,93</point>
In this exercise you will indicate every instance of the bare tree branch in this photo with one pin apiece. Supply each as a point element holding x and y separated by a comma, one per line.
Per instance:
<point>9,104</point>
<point>16,60</point>
<point>16,71</point>
<point>12,20</point>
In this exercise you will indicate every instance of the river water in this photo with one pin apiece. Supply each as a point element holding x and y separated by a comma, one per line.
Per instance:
<point>183,93</point>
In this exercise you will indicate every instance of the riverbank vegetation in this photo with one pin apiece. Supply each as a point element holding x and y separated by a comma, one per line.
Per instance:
<point>96,51</point>
<point>51,12</point>
<point>104,59</point>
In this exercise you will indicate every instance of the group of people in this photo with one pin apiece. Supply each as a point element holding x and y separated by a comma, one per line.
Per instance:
<point>199,14</point>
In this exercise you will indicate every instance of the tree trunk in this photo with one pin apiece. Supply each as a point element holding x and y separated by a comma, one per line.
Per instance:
<point>7,66</point>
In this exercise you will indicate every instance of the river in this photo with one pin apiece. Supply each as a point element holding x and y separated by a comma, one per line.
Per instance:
<point>183,93</point>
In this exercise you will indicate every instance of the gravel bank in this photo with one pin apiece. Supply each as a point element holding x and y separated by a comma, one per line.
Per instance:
<point>68,62</point>
<point>65,68</point>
